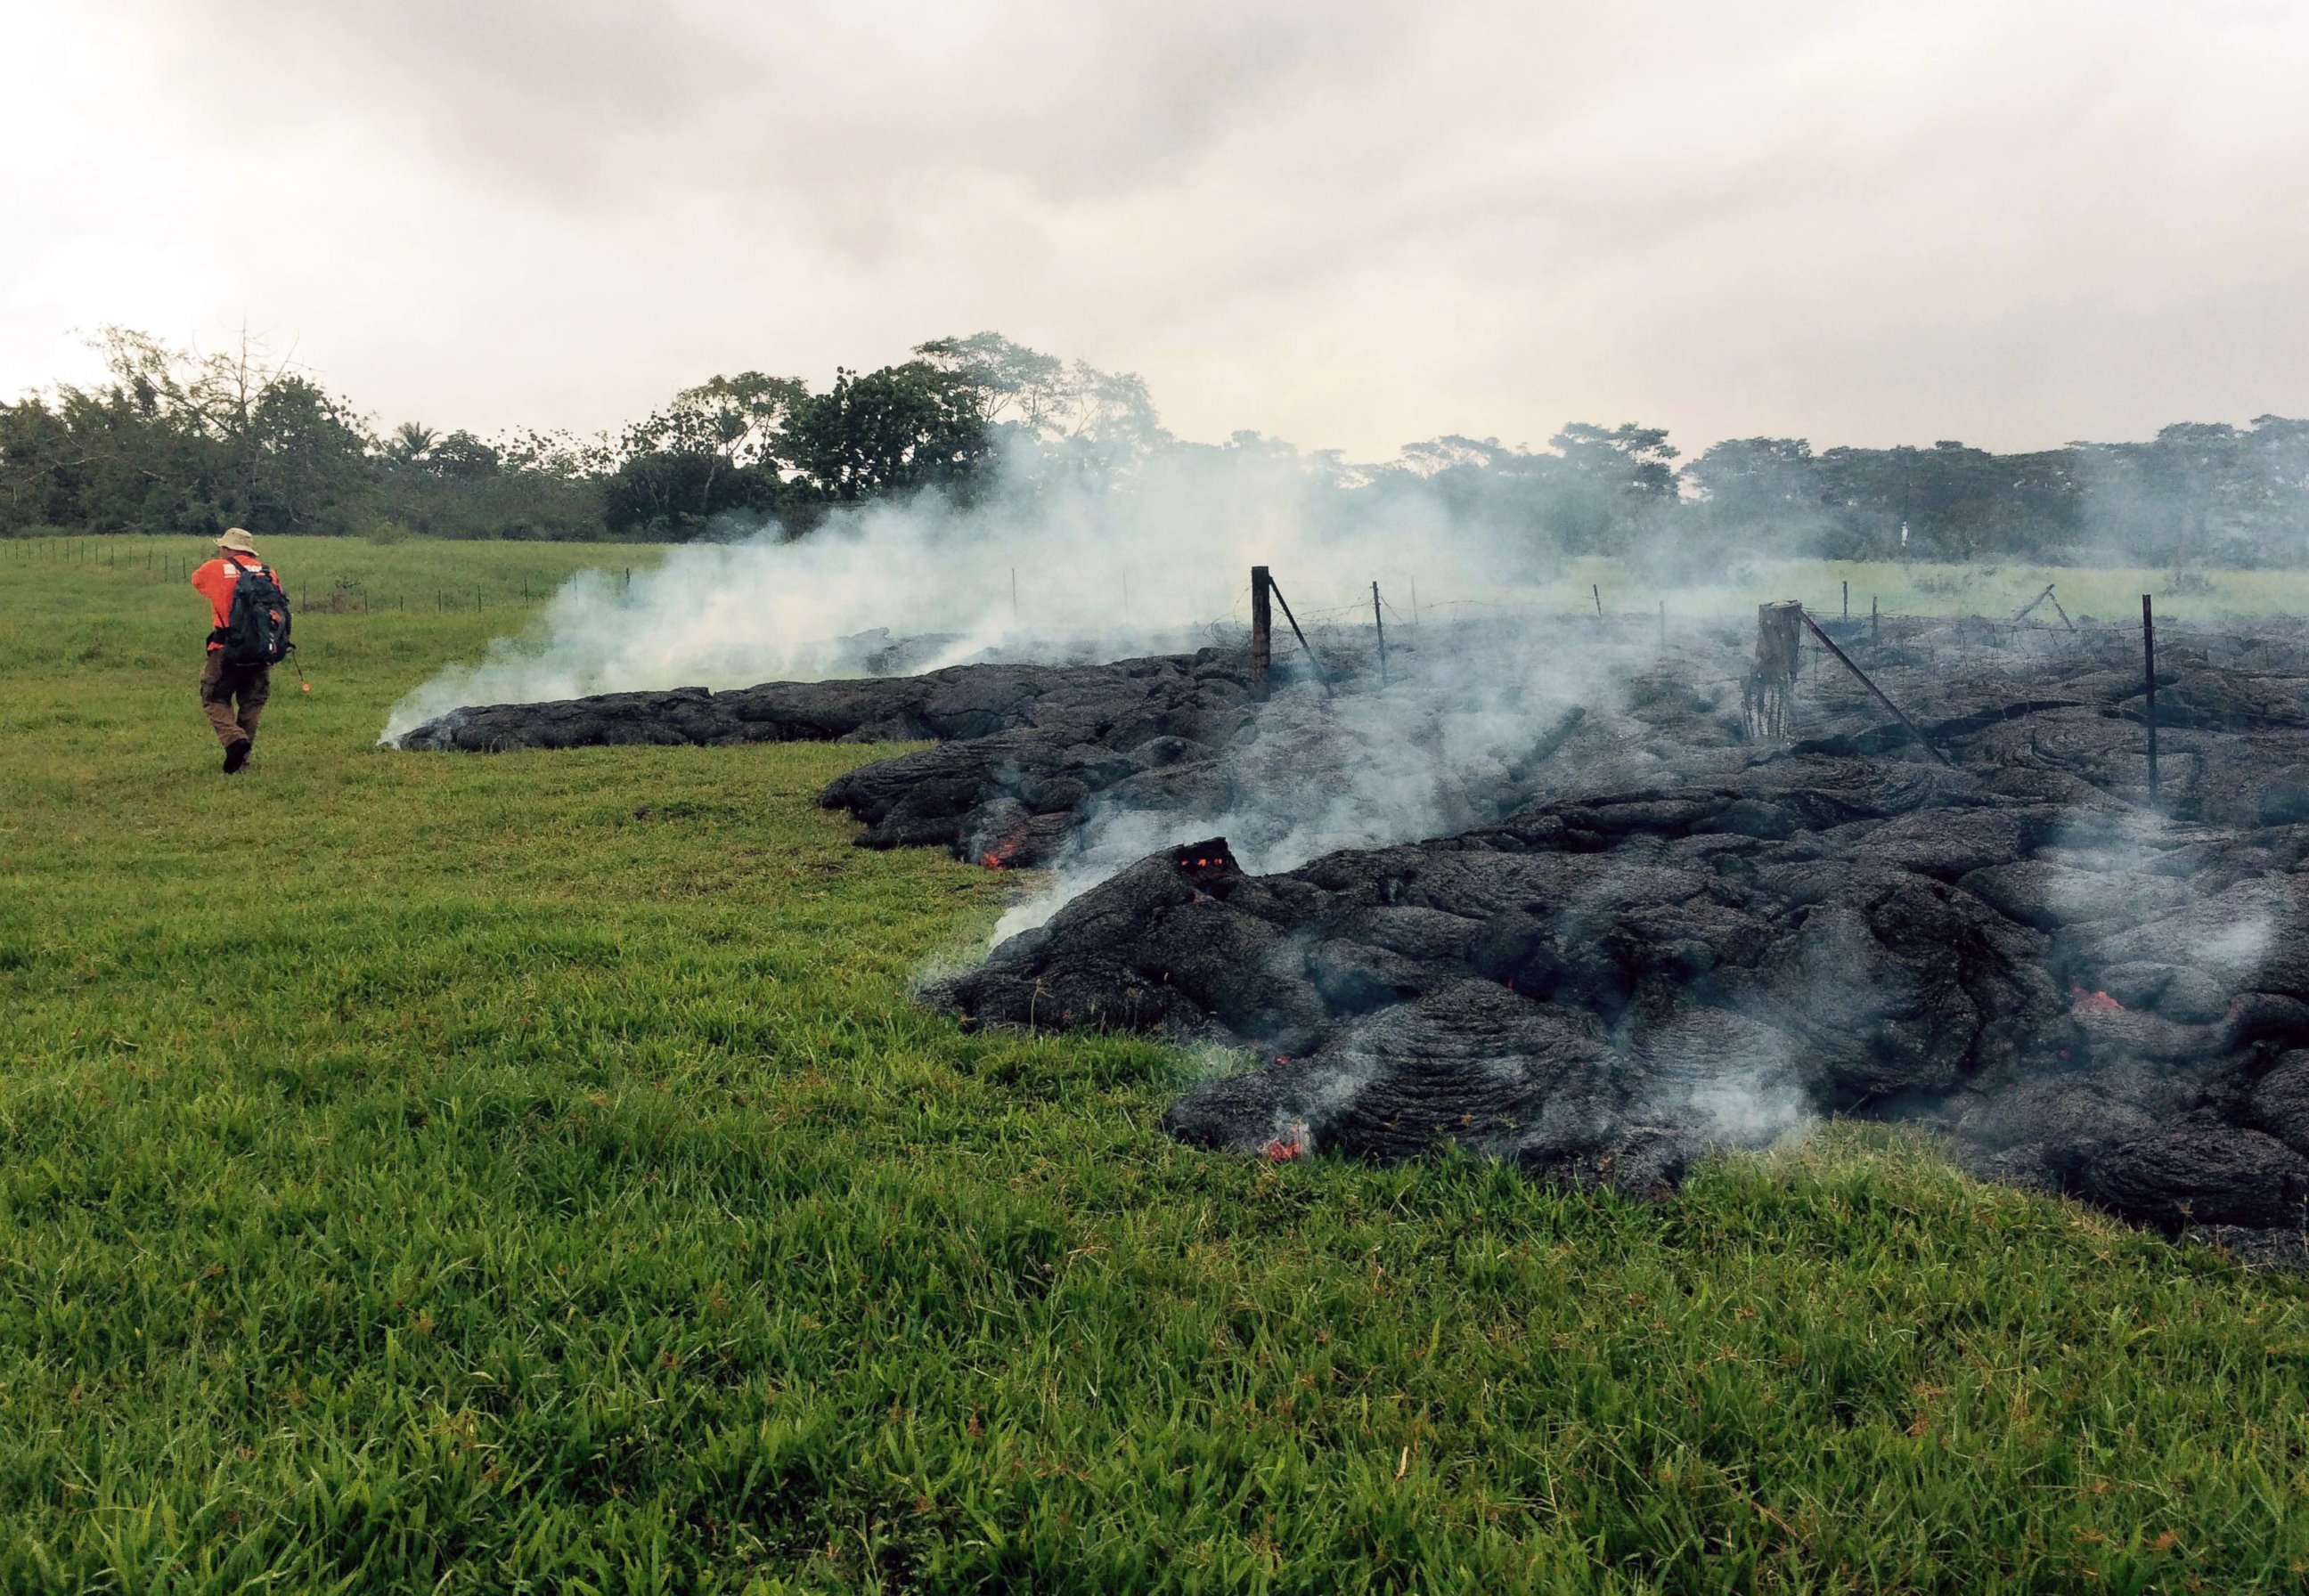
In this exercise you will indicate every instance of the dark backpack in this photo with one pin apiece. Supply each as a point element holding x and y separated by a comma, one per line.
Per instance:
<point>257,630</point>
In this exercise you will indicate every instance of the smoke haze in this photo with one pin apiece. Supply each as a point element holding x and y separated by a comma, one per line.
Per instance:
<point>1099,572</point>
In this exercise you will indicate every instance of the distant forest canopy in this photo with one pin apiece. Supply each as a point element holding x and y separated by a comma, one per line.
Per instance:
<point>175,442</point>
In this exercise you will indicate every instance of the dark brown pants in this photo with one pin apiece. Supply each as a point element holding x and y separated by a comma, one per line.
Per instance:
<point>222,684</point>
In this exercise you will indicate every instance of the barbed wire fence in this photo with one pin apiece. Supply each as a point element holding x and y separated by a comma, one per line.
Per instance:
<point>2278,643</point>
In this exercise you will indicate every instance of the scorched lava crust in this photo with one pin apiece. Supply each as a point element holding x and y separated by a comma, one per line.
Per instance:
<point>1663,939</point>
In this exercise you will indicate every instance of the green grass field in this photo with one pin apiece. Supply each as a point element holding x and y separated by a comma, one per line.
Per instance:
<point>529,1173</point>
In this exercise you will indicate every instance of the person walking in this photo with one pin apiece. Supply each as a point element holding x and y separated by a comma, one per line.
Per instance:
<point>233,690</point>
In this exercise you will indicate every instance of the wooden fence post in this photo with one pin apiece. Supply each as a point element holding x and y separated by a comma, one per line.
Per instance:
<point>2148,667</point>
<point>1262,630</point>
<point>1379,622</point>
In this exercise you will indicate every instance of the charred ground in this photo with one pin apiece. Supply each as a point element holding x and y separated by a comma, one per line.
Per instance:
<point>1650,936</point>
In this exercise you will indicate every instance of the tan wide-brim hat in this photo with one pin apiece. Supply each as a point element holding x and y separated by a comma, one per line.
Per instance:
<point>238,539</point>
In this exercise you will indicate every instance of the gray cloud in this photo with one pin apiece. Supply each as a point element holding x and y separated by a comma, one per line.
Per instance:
<point>1347,224</point>
<point>598,101</point>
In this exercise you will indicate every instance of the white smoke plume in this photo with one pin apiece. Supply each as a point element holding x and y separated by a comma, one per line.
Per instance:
<point>2124,878</point>
<point>1043,565</point>
<point>1429,755</point>
<point>1104,566</point>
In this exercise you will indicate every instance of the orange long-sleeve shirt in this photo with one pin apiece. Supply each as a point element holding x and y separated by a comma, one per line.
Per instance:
<point>216,580</point>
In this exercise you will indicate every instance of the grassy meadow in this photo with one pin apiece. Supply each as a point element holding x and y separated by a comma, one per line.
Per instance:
<point>529,1173</point>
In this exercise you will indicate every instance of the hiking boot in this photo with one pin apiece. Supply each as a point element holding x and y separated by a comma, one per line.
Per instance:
<point>235,754</point>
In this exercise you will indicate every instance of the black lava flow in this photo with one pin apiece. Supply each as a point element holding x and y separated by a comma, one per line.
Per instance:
<point>1672,939</point>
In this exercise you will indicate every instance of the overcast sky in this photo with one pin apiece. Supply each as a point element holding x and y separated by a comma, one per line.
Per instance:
<point>1346,224</point>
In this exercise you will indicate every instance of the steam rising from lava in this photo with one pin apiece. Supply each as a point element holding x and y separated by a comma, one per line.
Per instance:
<point>1100,569</point>
<point>1433,753</point>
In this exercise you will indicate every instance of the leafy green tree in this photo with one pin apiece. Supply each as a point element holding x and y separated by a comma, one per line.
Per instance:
<point>1008,383</point>
<point>180,442</point>
<point>307,460</point>
<point>39,482</point>
<point>1440,456</point>
<point>411,441</point>
<point>1760,496</point>
<point>1614,487</point>
<point>736,419</point>
<point>1628,459</point>
<point>2273,460</point>
<point>1059,415</point>
<point>1755,478</point>
<point>896,430</point>
<point>1953,501</point>
<point>174,440</point>
<point>718,448</point>
<point>461,457</point>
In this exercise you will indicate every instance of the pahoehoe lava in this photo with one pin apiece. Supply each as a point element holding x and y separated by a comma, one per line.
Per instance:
<point>1661,939</point>
<point>1020,749</point>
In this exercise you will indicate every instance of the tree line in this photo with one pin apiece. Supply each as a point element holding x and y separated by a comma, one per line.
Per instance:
<point>171,441</point>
